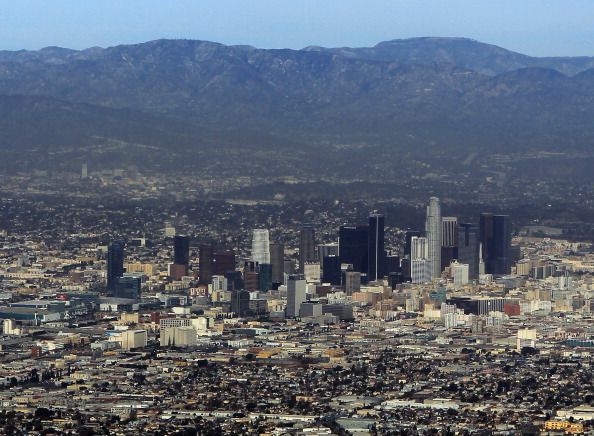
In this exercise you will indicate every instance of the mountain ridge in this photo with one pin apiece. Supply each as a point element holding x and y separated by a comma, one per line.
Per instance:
<point>423,99</point>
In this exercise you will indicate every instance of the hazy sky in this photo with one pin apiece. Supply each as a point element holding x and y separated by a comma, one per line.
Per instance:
<point>536,27</point>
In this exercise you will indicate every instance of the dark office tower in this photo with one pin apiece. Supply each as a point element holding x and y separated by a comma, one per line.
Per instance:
<point>468,248</point>
<point>223,262</point>
<point>331,270</point>
<point>240,301</point>
<point>395,278</point>
<point>181,250</point>
<point>449,231</point>
<point>250,275</point>
<point>128,287</point>
<point>375,248</point>
<point>205,265</point>
<point>290,266</point>
<point>449,240</point>
<point>448,254</point>
<point>408,236</point>
<point>307,246</point>
<point>327,250</point>
<point>277,260</point>
<point>392,264</point>
<point>352,244</point>
<point>495,239</point>
<point>115,264</point>
<point>406,269</point>
<point>234,280</point>
<point>265,277</point>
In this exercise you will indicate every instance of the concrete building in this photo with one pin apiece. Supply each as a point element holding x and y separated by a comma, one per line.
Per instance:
<point>132,339</point>
<point>296,294</point>
<point>459,273</point>
<point>177,337</point>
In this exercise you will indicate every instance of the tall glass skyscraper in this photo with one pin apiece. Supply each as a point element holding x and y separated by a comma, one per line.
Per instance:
<point>205,263</point>
<point>181,250</point>
<point>495,238</point>
<point>433,230</point>
<point>277,260</point>
<point>352,246</point>
<point>115,264</point>
<point>307,245</point>
<point>375,248</point>
<point>260,246</point>
<point>468,248</point>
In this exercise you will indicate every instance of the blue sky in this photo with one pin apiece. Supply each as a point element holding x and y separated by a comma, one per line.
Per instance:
<point>535,27</point>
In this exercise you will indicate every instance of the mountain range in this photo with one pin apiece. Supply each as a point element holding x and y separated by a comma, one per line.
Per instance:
<point>196,102</point>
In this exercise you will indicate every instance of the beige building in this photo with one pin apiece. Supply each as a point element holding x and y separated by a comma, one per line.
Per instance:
<point>134,339</point>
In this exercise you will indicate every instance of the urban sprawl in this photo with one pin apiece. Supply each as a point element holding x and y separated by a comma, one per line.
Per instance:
<point>460,328</point>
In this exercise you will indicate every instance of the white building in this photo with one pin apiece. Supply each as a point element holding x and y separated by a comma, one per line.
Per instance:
<point>260,246</point>
<point>526,338</point>
<point>460,273</point>
<point>311,270</point>
<point>174,322</point>
<point>433,230</point>
<point>134,339</point>
<point>10,327</point>
<point>296,294</point>
<point>421,270</point>
<point>419,248</point>
<point>219,283</point>
<point>177,336</point>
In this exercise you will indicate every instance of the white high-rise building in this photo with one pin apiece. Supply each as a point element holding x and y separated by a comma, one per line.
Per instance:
<point>418,248</point>
<point>421,267</point>
<point>420,270</point>
<point>459,272</point>
<point>433,230</point>
<point>296,294</point>
<point>260,246</point>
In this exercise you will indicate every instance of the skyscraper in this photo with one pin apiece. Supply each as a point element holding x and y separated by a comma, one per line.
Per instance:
<point>331,270</point>
<point>433,232</point>
<point>420,270</point>
<point>260,246</point>
<point>115,264</point>
<point>325,250</point>
<point>307,245</point>
<point>128,286</point>
<point>449,240</point>
<point>419,248</point>
<point>449,234</point>
<point>375,248</point>
<point>264,277</point>
<point>352,282</point>
<point>181,250</point>
<point>407,238</point>
<point>296,294</point>
<point>495,238</point>
<point>468,248</point>
<point>250,275</point>
<point>223,261</point>
<point>277,260</point>
<point>205,265</point>
<point>352,249</point>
